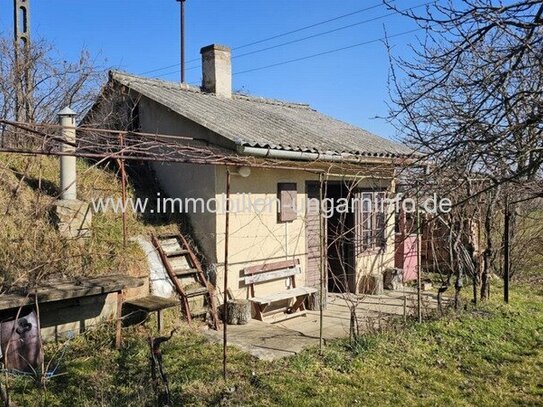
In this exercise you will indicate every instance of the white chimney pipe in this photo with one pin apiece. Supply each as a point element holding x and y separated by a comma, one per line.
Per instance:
<point>68,186</point>
<point>217,70</point>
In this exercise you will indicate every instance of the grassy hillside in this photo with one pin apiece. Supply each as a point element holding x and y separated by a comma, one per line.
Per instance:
<point>492,356</point>
<point>30,246</point>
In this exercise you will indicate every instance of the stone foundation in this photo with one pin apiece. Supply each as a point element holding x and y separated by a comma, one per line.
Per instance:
<point>73,218</point>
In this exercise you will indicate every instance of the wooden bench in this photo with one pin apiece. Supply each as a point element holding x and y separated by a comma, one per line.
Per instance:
<point>274,271</point>
<point>149,304</point>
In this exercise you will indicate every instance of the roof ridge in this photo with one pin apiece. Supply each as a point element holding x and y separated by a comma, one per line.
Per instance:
<point>154,81</point>
<point>190,88</point>
<point>271,101</point>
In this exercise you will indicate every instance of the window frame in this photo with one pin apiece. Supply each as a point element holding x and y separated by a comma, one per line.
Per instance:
<point>284,212</point>
<point>373,221</point>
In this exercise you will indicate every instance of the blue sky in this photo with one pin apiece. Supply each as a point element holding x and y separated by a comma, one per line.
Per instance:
<point>142,35</point>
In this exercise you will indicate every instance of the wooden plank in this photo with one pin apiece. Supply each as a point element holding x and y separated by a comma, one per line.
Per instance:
<point>173,278</point>
<point>119,320</point>
<point>272,275</point>
<point>211,290</point>
<point>152,303</point>
<point>195,292</point>
<point>168,241</point>
<point>179,263</point>
<point>264,268</point>
<point>171,247</point>
<point>185,272</point>
<point>57,290</point>
<point>284,295</point>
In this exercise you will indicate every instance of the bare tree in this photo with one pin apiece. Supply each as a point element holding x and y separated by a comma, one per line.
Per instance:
<point>473,96</point>
<point>472,101</point>
<point>53,82</point>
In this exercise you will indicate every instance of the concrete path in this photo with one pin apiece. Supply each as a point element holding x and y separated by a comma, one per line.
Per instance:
<point>263,340</point>
<point>275,340</point>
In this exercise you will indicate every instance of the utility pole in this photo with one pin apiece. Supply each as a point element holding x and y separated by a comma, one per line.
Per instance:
<point>21,33</point>
<point>182,37</point>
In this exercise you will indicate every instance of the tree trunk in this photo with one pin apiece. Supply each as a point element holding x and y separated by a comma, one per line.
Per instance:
<point>239,312</point>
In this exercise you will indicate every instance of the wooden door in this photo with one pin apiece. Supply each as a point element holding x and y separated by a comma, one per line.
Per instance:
<point>312,236</point>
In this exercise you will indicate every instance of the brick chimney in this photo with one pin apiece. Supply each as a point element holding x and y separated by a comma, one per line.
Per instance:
<point>217,70</point>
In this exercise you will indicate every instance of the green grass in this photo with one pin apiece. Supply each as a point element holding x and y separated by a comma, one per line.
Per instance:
<point>490,356</point>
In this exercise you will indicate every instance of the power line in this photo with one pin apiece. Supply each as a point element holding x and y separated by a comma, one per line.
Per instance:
<point>330,31</point>
<point>277,35</point>
<point>321,53</point>
<point>327,52</point>
<point>311,36</point>
<point>309,26</point>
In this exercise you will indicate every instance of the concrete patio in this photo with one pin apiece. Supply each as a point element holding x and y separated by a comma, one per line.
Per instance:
<point>273,340</point>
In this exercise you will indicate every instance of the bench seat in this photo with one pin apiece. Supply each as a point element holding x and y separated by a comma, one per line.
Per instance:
<point>286,269</point>
<point>284,295</point>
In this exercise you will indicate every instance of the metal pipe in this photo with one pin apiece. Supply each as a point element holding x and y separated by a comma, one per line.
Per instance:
<point>306,156</point>
<point>321,264</point>
<point>182,39</point>
<point>123,190</point>
<point>225,289</point>
<point>68,186</point>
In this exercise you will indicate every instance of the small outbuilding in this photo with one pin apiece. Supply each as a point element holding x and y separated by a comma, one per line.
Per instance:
<point>280,158</point>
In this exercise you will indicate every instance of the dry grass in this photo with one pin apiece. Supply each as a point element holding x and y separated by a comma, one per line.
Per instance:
<point>31,249</point>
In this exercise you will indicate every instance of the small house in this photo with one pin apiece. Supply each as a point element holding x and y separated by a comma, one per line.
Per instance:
<point>278,154</point>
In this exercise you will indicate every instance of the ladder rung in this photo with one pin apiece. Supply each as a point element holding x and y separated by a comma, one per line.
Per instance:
<point>184,272</point>
<point>176,252</point>
<point>196,292</point>
<point>168,236</point>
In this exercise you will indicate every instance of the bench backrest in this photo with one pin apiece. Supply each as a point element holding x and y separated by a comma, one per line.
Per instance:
<point>271,271</point>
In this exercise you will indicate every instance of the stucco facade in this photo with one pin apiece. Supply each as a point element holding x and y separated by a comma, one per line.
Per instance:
<point>255,237</point>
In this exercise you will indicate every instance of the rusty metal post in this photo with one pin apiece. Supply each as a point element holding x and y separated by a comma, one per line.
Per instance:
<point>123,189</point>
<point>321,264</point>
<point>182,37</point>
<point>21,36</point>
<point>225,289</point>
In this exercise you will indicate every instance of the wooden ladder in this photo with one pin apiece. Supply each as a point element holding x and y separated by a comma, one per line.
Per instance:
<point>181,263</point>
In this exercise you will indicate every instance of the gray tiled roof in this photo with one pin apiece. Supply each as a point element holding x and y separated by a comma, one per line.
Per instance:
<point>258,122</point>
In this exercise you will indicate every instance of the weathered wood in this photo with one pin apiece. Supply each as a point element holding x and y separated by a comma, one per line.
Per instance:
<point>272,275</point>
<point>284,295</point>
<point>172,247</point>
<point>278,265</point>
<point>57,290</point>
<point>152,303</point>
<point>273,271</point>
<point>119,320</point>
<point>180,263</point>
<point>210,288</point>
<point>239,312</point>
<point>174,280</point>
<point>159,320</point>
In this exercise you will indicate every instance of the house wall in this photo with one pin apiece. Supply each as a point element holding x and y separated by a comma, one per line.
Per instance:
<point>258,237</point>
<point>183,180</point>
<point>255,238</point>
